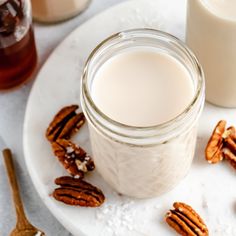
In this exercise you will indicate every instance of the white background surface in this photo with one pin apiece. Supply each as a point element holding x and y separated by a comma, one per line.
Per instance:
<point>208,188</point>
<point>12,106</point>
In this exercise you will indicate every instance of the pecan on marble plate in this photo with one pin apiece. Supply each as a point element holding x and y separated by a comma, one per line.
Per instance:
<point>65,123</point>
<point>75,160</point>
<point>229,149</point>
<point>185,221</point>
<point>77,192</point>
<point>213,151</point>
<point>222,144</point>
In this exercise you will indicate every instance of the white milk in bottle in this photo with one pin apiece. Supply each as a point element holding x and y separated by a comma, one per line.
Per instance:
<point>211,34</point>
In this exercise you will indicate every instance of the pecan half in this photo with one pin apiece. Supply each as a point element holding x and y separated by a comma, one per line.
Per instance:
<point>213,149</point>
<point>75,160</point>
<point>72,126</point>
<point>229,151</point>
<point>77,192</point>
<point>185,221</point>
<point>65,123</point>
<point>222,144</point>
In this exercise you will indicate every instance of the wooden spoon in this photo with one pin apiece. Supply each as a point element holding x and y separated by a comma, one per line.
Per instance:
<point>23,226</point>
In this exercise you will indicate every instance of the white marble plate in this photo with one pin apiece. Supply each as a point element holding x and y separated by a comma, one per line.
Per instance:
<point>209,189</point>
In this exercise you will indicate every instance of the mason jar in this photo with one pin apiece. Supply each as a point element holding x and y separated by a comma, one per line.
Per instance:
<point>143,162</point>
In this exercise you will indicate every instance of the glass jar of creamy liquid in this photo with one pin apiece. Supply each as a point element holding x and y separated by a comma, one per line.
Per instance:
<point>142,94</point>
<point>50,11</point>
<point>211,34</point>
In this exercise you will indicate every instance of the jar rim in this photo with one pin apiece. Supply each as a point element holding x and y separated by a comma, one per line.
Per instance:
<point>132,33</point>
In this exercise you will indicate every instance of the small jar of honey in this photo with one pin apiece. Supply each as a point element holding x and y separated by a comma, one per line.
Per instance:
<point>18,57</point>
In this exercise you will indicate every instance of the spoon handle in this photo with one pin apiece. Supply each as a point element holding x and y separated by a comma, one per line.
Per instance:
<point>21,218</point>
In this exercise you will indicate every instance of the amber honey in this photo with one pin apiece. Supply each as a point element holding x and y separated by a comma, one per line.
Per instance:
<point>18,55</point>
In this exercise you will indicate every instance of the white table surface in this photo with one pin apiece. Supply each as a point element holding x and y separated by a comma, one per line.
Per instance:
<point>13,105</point>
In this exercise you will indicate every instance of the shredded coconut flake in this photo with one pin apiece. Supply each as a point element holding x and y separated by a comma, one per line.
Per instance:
<point>81,165</point>
<point>39,233</point>
<point>69,150</point>
<point>158,206</point>
<point>118,217</point>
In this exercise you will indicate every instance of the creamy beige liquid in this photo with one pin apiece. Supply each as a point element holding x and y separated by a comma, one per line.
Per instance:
<point>222,8</point>
<point>211,34</point>
<point>57,10</point>
<point>142,87</point>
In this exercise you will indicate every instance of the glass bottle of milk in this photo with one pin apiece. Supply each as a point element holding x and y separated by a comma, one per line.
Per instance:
<point>211,34</point>
<point>50,11</point>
